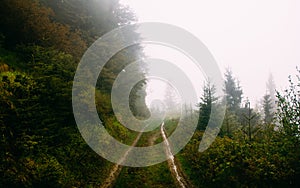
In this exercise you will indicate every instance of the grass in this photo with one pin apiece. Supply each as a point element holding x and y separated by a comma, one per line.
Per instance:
<point>152,176</point>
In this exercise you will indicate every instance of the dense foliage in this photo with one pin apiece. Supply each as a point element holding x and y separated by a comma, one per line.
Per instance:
<point>264,162</point>
<point>41,43</point>
<point>270,159</point>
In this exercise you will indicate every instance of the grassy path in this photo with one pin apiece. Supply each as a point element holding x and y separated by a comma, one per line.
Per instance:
<point>166,174</point>
<point>115,171</point>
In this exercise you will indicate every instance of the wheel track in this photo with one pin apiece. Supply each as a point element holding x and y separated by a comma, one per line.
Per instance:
<point>173,164</point>
<point>115,171</point>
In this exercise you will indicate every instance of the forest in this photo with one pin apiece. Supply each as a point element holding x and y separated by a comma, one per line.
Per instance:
<point>41,45</point>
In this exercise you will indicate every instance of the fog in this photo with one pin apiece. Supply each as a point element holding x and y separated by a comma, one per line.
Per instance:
<point>252,37</point>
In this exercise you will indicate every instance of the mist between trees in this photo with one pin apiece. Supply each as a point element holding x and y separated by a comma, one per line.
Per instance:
<point>41,44</point>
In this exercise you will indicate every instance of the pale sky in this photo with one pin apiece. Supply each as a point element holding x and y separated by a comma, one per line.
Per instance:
<point>253,37</point>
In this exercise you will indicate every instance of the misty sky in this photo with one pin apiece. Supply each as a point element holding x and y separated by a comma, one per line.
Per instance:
<point>253,37</point>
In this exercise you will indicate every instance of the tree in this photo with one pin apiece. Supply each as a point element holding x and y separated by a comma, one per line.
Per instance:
<point>288,112</point>
<point>207,100</point>
<point>233,96</point>
<point>271,90</point>
<point>171,102</point>
<point>232,91</point>
<point>92,17</point>
<point>40,144</point>
<point>250,120</point>
<point>230,123</point>
<point>20,132</point>
<point>28,22</point>
<point>137,101</point>
<point>268,109</point>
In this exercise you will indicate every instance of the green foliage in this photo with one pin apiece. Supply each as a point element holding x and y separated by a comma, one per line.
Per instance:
<point>234,114</point>
<point>232,91</point>
<point>92,17</point>
<point>18,102</point>
<point>35,171</point>
<point>270,159</point>
<point>269,116</point>
<point>41,43</point>
<point>40,145</point>
<point>28,22</point>
<point>205,106</point>
<point>10,59</point>
<point>110,72</point>
<point>289,108</point>
<point>249,121</point>
<point>230,124</point>
<point>153,176</point>
<point>239,163</point>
